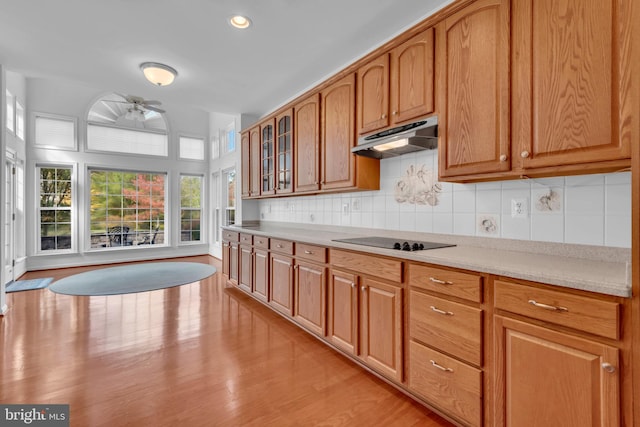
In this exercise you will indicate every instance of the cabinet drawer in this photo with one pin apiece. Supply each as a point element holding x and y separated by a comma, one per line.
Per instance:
<point>311,252</point>
<point>282,246</point>
<point>451,327</point>
<point>586,314</point>
<point>446,382</point>
<point>454,283</point>
<point>368,264</point>
<point>246,239</point>
<point>261,242</point>
<point>230,236</point>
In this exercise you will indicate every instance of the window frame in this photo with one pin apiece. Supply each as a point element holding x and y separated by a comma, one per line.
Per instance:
<point>72,208</point>
<point>225,194</point>
<point>87,198</point>
<point>201,209</point>
<point>124,153</point>
<point>74,120</point>
<point>10,120</point>
<point>20,135</point>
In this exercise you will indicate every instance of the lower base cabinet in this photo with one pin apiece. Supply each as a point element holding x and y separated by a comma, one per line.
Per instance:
<point>552,378</point>
<point>310,293</point>
<point>447,383</point>
<point>281,289</point>
<point>261,274</point>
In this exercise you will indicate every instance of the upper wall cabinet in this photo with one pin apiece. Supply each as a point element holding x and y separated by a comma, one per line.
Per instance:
<point>307,144</point>
<point>570,81</point>
<point>284,152</point>
<point>267,156</point>
<point>397,86</point>
<point>473,116</point>
<point>250,145</point>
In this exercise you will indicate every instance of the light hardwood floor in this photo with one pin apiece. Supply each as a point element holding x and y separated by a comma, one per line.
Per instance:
<point>195,355</point>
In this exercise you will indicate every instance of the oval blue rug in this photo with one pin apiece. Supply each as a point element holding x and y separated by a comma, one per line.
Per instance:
<point>133,278</point>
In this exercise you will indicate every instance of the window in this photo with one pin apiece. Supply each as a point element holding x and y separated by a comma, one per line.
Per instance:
<point>127,208</point>
<point>228,138</point>
<point>55,132</point>
<point>19,121</point>
<point>191,148</point>
<point>54,210</point>
<point>190,208</point>
<point>230,206</point>
<point>215,201</point>
<point>118,140</point>
<point>215,148</point>
<point>10,112</point>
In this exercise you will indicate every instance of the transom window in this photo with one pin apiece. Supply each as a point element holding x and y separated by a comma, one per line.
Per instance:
<point>127,208</point>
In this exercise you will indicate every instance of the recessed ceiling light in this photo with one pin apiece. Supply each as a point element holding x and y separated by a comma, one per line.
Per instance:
<point>158,74</point>
<point>240,21</point>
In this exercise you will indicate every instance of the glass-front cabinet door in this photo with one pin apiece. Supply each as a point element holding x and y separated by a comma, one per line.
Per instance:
<point>267,167</point>
<point>284,152</point>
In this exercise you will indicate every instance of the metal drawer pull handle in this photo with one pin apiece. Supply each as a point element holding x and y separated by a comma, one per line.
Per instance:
<point>437,310</point>
<point>547,306</point>
<point>442,368</point>
<point>609,367</point>
<point>440,282</point>
<point>308,252</point>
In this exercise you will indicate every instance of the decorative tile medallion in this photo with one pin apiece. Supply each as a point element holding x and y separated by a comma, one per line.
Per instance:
<point>548,200</point>
<point>418,187</point>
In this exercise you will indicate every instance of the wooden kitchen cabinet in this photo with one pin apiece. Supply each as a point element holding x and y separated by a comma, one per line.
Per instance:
<point>365,320</point>
<point>340,168</point>
<point>546,378</point>
<point>284,152</point>
<point>398,85</point>
<point>570,79</point>
<point>473,116</point>
<point>281,276</point>
<point>233,263</point>
<point>267,157</point>
<point>306,126</point>
<point>310,293</point>
<point>261,268</point>
<point>250,146</point>
<point>245,262</point>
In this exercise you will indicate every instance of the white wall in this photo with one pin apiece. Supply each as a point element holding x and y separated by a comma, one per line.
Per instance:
<point>74,100</point>
<point>586,209</point>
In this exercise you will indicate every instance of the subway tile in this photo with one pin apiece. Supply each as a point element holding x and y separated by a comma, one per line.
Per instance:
<point>464,200</point>
<point>515,228</point>
<point>547,228</point>
<point>407,221</point>
<point>488,200</point>
<point>464,224</point>
<point>618,199</point>
<point>584,229</point>
<point>424,222</point>
<point>584,200</point>
<point>618,231</point>
<point>442,223</point>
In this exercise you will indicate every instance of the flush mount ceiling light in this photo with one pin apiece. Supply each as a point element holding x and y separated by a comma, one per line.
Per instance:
<point>239,21</point>
<point>158,74</point>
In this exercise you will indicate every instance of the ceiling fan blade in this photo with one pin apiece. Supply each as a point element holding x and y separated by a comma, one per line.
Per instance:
<point>151,102</point>
<point>117,102</point>
<point>152,108</point>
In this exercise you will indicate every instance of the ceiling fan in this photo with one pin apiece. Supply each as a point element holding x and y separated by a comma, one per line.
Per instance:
<point>137,106</point>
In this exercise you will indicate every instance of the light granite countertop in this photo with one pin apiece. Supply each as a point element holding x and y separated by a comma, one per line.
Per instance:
<point>590,268</point>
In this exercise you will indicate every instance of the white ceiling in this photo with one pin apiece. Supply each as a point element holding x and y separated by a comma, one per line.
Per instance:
<point>292,45</point>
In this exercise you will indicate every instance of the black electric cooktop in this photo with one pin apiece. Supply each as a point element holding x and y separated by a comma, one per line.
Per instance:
<point>393,243</point>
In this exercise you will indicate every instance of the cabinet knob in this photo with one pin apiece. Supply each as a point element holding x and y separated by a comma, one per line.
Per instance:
<point>308,252</point>
<point>384,116</point>
<point>363,288</point>
<point>608,367</point>
<point>503,157</point>
<point>524,154</point>
<point>353,285</point>
<point>394,113</point>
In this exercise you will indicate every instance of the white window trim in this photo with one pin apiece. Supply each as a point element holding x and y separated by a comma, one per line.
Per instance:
<point>87,201</point>
<point>5,117</point>
<point>74,208</point>
<point>35,115</point>
<point>24,120</point>
<point>203,221</point>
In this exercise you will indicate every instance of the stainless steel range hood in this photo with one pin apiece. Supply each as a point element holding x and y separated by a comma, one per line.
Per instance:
<point>416,136</point>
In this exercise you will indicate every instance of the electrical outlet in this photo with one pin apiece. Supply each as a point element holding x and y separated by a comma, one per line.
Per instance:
<point>519,208</point>
<point>345,209</point>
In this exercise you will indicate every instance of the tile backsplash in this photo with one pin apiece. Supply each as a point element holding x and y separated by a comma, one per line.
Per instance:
<point>584,209</point>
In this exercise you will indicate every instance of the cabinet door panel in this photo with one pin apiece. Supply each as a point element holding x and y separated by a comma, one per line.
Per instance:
<point>281,290</point>
<point>553,378</point>
<point>412,77</point>
<point>567,89</point>
<point>373,95</point>
<point>254,161</point>
<point>306,127</point>
<point>284,152</point>
<point>343,305</point>
<point>310,296</point>
<point>233,263</point>
<point>338,133</point>
<point>246,268</point>
<point>245,146</point>
<point>268,157</point>
<point>381,327</point>
<point>226,259</point>
<point>474,55</point>
<point>261,275</point>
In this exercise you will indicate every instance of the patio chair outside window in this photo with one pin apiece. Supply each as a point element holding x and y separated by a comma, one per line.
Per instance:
<point>119,236</point>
